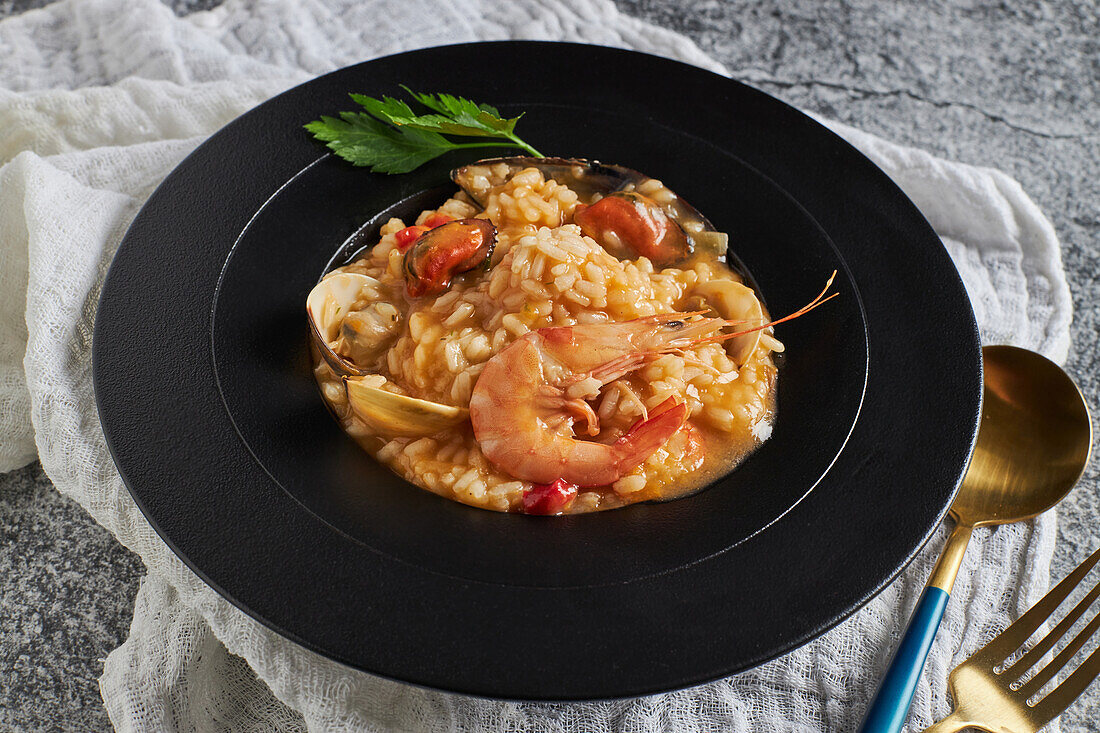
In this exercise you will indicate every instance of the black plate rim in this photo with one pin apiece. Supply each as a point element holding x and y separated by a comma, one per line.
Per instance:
<point>98,359</point>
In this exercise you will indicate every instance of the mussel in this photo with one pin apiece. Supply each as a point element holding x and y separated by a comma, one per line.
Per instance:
<point>644,218</point>
<point>629,224</point>
<point>440,253</point>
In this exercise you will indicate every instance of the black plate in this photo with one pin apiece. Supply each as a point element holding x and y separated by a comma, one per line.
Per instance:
<point>204,391</point>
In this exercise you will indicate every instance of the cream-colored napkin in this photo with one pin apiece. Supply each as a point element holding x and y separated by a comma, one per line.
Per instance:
<point>102,98</point>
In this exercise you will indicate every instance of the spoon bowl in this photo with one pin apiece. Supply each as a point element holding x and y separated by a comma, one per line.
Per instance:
<point>1033,444</point>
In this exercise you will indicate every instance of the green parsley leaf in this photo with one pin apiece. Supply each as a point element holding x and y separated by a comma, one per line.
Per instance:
<point>391,138</point>
<point>458,116</point>
<point>383,108</point>
<point>444,107</point>
<point>362,140</point>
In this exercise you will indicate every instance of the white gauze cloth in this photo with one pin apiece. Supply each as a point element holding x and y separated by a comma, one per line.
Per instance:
<point>100,99</point>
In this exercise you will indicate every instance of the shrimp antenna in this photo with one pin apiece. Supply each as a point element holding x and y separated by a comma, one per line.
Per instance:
<point>819,300</point>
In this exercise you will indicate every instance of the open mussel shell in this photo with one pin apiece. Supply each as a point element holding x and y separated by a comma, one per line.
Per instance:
<point>593,180</point>
<point>445,251</point>
<point>326,306</point>
<point>735,302</point>
<point>396,415</point>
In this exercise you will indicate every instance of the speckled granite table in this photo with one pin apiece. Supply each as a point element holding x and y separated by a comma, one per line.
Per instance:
<point>977,80</point>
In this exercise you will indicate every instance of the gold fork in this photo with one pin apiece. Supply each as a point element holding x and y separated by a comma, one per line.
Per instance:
<point>993,696</point>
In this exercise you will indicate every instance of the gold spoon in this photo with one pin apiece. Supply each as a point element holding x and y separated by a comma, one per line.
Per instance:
<point>1033,444</point>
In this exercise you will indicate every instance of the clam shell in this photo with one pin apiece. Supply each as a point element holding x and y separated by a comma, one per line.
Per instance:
<point>396,415</point>
<point>735,302</point>
<point>326,306</point>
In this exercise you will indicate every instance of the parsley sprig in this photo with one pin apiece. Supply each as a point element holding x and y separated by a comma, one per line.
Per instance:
<point>391,138</point>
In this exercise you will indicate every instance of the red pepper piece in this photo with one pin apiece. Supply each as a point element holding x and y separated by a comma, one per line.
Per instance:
<point>553,498</point>
<point>437,219</point>
<point>408,235</point>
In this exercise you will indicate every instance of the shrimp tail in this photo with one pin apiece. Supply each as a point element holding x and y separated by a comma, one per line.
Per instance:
<point>649,434</point>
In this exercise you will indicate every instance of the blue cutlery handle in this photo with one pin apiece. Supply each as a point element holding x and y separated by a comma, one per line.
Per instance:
<point>890,706</point>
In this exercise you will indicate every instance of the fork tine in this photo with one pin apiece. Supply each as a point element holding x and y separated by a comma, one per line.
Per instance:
<point>1070,689</point>
<point>1044,645</point>
<point>1047,673</point>
<point>1015,635</point>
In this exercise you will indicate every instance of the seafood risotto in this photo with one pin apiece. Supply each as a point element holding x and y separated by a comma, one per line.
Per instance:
<point>558,337</point>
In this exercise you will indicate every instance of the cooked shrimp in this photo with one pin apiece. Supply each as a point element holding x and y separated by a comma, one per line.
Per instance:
<point>530,395</point>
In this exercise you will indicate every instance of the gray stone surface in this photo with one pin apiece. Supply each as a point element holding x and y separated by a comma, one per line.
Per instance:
<point>66,598</point>
<point>1009,85</point>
